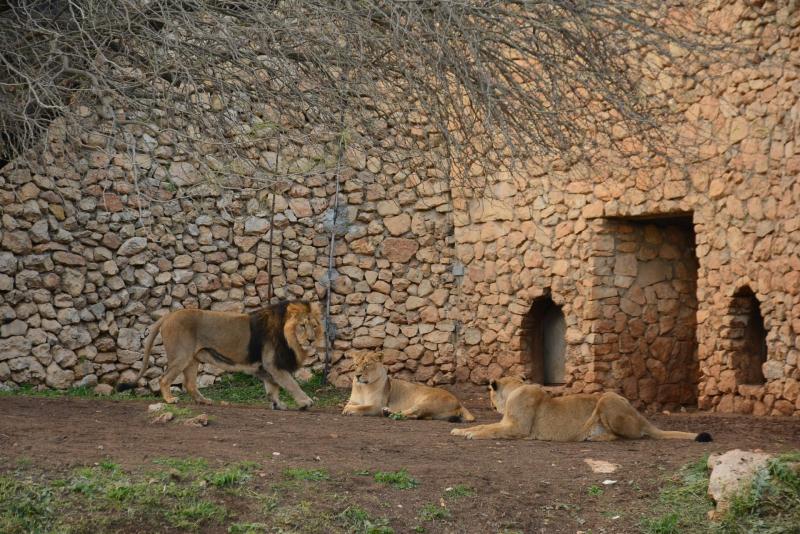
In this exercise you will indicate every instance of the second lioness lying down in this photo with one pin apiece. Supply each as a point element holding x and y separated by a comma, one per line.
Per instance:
<point>375,393</point>
<point>529,412</point>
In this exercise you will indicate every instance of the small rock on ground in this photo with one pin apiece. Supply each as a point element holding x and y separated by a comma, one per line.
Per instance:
<point>103,389</point>
<point>165,417</point>
<point>200,420</point>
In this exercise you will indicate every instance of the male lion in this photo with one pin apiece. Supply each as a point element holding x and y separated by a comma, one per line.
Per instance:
<point>374,393</point>
<point>267,343</point>
<point>529,412</point>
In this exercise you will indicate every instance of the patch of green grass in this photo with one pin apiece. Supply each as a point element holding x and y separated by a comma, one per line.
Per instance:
<point>305,516</point>
<point>234,475</point>
<point>25,506</point>
<point>397,479</point>
<point>664,524</point>
<point>241,388</point>
<point>595,491</point>
<point>190,513</point>
<point>248,528</point>
<point>458,491</point>
<point>434,512</point>
<point>314,475</point>
<point>105,493</point>
<point>84,392</point>
<point>683,503</point>
<point>184,466</point>
<point>357,520</point>
<point>397,416</point>
<point>180,494</point>
<point>24,462</point>
<point>236,388</point>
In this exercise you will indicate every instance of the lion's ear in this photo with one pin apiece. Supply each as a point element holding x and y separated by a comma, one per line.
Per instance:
<point>523,377</point>
<point>493,385</point>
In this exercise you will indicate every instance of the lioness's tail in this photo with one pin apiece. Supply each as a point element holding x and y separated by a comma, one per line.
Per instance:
<point>148,346</point>
<point>654,432</point>
<point>465,415</point>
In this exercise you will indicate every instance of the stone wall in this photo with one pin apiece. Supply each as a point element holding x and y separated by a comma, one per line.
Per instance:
<point>101,237</point>
<point>575,231</point>
<point>98,240</point>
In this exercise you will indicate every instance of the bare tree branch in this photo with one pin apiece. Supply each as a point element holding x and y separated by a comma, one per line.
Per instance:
<point>496,80</point>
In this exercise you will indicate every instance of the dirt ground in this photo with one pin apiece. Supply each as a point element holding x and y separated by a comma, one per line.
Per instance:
<point>523,486</point>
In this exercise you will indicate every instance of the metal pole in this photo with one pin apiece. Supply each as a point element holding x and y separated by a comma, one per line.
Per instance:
<point>328,326</point>
<point>270,287</point>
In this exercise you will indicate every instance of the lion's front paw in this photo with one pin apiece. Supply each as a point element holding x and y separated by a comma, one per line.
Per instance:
<point>305,404</point>
<point>278,405</point>
<point>458,432</point>
<point>386,411</point>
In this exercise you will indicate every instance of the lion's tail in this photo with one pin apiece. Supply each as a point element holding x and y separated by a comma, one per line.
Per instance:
<point>466,415</point>
<point>654,432</point>
<point>148,347</point>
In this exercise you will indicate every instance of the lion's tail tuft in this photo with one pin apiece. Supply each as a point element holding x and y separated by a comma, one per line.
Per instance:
<point>703,437</point>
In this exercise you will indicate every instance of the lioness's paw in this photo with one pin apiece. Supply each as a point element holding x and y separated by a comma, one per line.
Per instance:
<point>386,411</point>
<point>278,405</point>
<point>457,432</point>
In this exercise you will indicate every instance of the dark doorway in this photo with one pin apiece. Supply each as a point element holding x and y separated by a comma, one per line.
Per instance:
<point>748,337</point>
<point>543,342</point>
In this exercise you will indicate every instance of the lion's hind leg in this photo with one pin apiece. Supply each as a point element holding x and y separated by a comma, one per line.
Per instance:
<point>190,381</point>
<point>272,389</point>
<point>594,429</point>
<point>619,418</point>
<point>165,383</point>
<point>180,355</point>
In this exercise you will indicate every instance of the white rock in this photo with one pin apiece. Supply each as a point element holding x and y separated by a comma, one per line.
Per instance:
<point>730,471</point>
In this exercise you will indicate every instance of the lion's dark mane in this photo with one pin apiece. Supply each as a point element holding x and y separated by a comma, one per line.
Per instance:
<point>266,327</point>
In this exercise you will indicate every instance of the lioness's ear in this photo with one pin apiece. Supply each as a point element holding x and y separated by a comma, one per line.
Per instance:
<point>493,385</point>
<point>523,377</point>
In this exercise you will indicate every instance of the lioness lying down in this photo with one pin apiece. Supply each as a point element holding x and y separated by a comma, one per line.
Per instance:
<point>529,412</point>
<point>374,393</point>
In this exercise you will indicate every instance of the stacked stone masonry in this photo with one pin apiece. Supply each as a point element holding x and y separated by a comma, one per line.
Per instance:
<point>647,259</point>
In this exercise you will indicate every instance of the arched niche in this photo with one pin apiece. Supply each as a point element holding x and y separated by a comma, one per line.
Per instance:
<point>748,337</point>
<point>543,342</point>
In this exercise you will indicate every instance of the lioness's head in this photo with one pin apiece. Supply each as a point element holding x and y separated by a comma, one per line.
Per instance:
<point>308,327</point>
<point>368,367</point>
<point>500,389</point>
